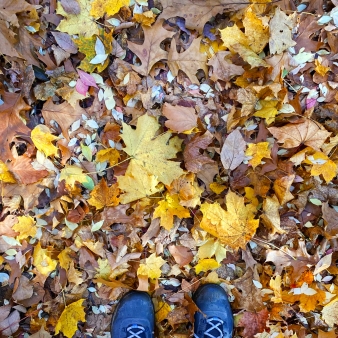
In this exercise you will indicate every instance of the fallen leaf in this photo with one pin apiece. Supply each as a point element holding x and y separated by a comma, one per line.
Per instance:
<point>232,153</point>
<point>103,196</point>
<point>180,119</point>
<point>72,174</point>
<point>223,69</point>
<point>149,52</point>
<point>206,264</point>
<point>25,227</point>
<point>152,152</point>
<point>167,209</point>
<point>42,139</point>
<point>71,315</point>
<point>258,151</point>
<point>5,175</point>
<point>212,248</point>
<point>151,267</point>
<point>23,169</point>
<point>9,322</point>
<point>181,254</point>
<point>268,110</point>
<point>200,11</point>
<point>253,323</point>
<point>270,216</point>
<point>275,285</point>
<point>256,31</point>
<point>11,125</point>
<point>42,260</point>
<point>281,27</point>
<point>101,7</point>
<point>193,159</point>
<point>282,188</point>
<point>330,216</point>
<point>234,227</point>
<point>189,61</point>
<point>137,183</point>
<point>75,23</point>
<point>306,132</point>
<point>110,155</point>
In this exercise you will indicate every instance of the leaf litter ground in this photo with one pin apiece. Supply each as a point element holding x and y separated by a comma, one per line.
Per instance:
<point>159,145</point>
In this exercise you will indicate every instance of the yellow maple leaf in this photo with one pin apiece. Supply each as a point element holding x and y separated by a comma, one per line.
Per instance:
<point>233,35</point>
<point>217,188</point>
<point>307,302</point>
<point>211,248</point>
<point>137,183</point>
<point>65,259</point>
<point>162,310</point>
<point>104,270</point>
<point>271,217</point>
<point>234,227</point>
<point>251,196</point>
<point>42,139</point>
<point>275,285</point>
<point>322,165</point>
<point>5,175</point>
<point>151,267</point>
<point>320,68</point>
<point>256,33</point>
<point>109,7</point>
<point>25,227</point>
<point>168,208</point>
<point>206,265</point>
<point>258,151</point>
<point>146,18</point>
<point>87,47</point>
<point>72,174</point>
<point>82,23</point>
<point>104,196</point>
<point>268,110</point>
<point>71,315</point>
<point>110,155</point>
<point>152,152</point>
<point>43,261</point>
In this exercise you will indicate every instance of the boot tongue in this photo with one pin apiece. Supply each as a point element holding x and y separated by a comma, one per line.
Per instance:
<point>214,328</point>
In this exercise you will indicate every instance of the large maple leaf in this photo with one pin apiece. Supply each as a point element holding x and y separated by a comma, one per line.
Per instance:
<point>197,12</point>
<point>234,227</point>
<point>11,124</point>
<point>152,152</point>
<point>150,52</point>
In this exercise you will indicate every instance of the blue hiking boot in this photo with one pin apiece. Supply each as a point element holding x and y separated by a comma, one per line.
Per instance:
<point>134,316</point>
<point>216,319</point>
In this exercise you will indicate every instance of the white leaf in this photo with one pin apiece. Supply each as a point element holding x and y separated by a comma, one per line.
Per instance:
<point>10,240</point>
<point>257,284</point>
<point>92,124</point>
<point>100,58</point>
<point>99,47</point>
<point>97,226</point>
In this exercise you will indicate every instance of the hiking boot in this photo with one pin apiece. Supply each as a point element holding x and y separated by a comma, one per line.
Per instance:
<point>133,317</point>
<point>216,320</point>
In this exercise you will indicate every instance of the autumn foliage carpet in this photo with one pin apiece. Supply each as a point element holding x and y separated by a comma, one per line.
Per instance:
<point>162,144</point>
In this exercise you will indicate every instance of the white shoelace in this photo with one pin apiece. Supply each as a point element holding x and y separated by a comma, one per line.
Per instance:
<point>137,333</point>
<point>215,324</point>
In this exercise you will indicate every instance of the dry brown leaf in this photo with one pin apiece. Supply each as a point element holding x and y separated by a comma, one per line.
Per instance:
<point>64,114</point>
<point>330,216</point>
<point>189,61</point>
<point>181,254</point>
<point>233,150</point>
<point>282,188</point>
<point>196,12</point>
<point>150,51</point>
<point>305,132</point>
<point>193,159</point>
<point>180,119</point>
<point>223,69</point>
<point>271,217</point>
<point>253,322</point>
<point>104,196</point>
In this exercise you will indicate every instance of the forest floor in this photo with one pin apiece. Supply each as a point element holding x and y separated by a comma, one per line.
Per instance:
<point>161,144</point>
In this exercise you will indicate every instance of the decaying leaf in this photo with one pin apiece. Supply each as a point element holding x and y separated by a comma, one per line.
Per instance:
<point>103,196</point>
<point>232,153</point>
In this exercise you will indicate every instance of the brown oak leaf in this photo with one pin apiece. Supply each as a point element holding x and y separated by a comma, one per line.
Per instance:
<point>253,322</point>
<point>193,159</point>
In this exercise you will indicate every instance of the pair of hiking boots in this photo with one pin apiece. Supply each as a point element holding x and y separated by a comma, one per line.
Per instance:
<point>134,315</point>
